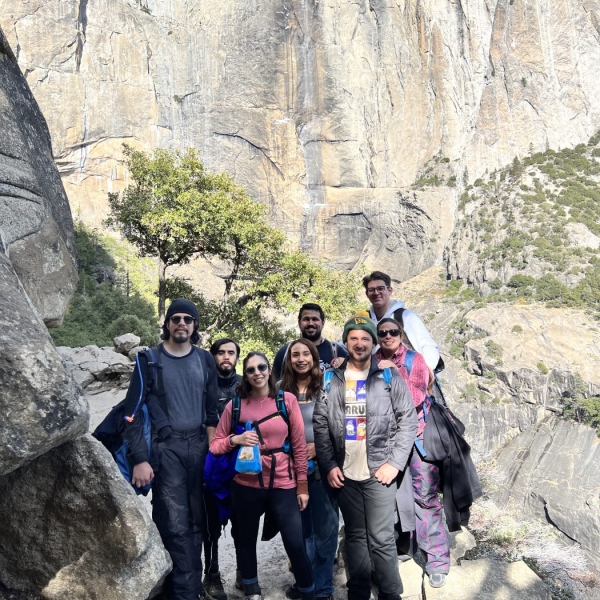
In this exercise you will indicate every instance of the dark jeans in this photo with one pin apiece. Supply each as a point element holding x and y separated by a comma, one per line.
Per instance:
<point>214,526</point>
<point>249,504</point>
<point>320,527</point>
<point>368,510</point>
<point>178,509</point>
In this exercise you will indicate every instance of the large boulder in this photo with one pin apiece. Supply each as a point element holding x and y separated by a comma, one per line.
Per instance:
<point>73,528</point>
<point>90,363</point>
<point>36,227</point>
<point>41,406</point>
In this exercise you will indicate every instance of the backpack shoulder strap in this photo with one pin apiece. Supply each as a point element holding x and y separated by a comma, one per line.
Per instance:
<point>327,377</point>
<point>236,405</point>
<point>408,360</point>
<point>155,364</point>
<point>281,407</point>
<point>202,355</point>
<point>398,315</point>
<point>387,376</point>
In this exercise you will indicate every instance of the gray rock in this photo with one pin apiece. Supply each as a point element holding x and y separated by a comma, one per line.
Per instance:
<point>552,471</point>
<point>73,528</point>
<point>41,406</point>
<point>487,579</point>
<point>135,351</point>
<point>126,342</point>
<point>36,229</point>
<point>101,363</point>
<point>460,543</point>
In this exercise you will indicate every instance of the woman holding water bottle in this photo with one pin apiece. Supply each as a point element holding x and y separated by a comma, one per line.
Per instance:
<point>302,376</point>
<point>281,486</point>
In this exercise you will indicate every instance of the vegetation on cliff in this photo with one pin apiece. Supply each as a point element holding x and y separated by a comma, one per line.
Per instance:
<point>175,211</point>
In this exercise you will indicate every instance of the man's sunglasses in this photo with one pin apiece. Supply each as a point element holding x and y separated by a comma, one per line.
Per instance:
<point>392,332</point>
<point>177,319</point>
<point>262,368</point>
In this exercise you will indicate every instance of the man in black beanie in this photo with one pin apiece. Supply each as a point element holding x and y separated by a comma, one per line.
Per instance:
<point>182,402</point>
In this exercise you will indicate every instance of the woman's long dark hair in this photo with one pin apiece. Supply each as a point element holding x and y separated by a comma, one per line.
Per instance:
<point>244,389</point>
<point>289,381</point>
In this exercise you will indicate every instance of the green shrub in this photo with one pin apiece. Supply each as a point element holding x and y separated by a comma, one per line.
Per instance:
<point>494,349</point>
<point>147,332</point>
<point>517,329</point>
<point>543,368</point>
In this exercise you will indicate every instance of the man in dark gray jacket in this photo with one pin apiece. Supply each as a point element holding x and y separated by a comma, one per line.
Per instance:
<point>364,431</point>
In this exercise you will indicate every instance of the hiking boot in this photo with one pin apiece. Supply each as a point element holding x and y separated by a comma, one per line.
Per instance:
<point>404,558</point>
<point>437,580</point>
<point>292,592</point>
<point>238,580</point>
<point>213,586</point>
<point>203,596</point>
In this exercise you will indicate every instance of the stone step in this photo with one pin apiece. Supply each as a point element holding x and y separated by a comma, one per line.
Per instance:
<point>483,579</point>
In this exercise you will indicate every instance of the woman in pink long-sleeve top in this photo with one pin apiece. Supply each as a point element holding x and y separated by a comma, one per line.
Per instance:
<point>282,486</point>
<point>432,538</point>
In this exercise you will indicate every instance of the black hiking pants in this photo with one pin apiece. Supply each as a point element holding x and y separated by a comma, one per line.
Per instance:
<point>178,509</point>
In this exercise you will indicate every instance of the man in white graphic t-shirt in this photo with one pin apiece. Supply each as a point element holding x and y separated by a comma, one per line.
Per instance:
<point>364,429</point>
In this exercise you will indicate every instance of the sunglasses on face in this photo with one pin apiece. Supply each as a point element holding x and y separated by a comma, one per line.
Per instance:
<point>250,370</point>
<point>392,332</point>
<point>177,319</point>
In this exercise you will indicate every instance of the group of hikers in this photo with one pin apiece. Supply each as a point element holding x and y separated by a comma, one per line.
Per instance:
<point>339,427</point>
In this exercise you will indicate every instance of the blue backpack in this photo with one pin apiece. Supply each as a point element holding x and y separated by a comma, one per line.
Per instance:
<point>110,431</point>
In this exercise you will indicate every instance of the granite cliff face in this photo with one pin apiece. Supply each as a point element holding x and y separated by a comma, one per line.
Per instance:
<point>327,112</point>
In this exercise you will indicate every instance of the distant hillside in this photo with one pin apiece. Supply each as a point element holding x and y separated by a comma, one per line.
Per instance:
<point>531,230</point>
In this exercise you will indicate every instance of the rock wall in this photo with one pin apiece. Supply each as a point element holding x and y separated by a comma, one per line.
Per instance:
<point>71,527</point>
<point>41,406</point>
<point>327,112</point>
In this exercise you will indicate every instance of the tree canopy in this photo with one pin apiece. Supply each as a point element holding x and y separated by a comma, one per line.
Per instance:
<point>175,210</point>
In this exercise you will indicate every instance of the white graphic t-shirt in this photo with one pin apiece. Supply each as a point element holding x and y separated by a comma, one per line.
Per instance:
<point>355,461</point>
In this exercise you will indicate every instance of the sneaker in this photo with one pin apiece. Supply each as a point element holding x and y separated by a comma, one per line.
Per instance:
<point>437,580</point>
<point>404,558</point>
<point>292,592</point>
<point>203,596</point>
<point>238,580</point>
<point>213,586</point>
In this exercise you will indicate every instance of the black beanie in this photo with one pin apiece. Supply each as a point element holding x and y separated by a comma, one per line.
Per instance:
<point>186,307</point>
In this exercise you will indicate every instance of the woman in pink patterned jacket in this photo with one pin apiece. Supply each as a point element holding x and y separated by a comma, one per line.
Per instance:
<point>431,534</point>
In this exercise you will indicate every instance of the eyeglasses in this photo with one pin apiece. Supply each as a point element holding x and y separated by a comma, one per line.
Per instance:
<point>377,290</point>
<point>177,319</point>
<point>392,332</point>
<point>262,368</point>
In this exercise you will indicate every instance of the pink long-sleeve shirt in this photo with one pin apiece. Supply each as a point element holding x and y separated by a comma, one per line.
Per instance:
<point>274,431</point>
<point>417,382</point>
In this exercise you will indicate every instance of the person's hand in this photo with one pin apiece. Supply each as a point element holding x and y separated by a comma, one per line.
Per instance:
<point>248,438</point>
<point>142,474</point>
<point>335,478</point>
<point>336,362</point>
<point>310,451</point>
<point>386,474</point>
<point>387,364</point>
<point>302,501</point>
